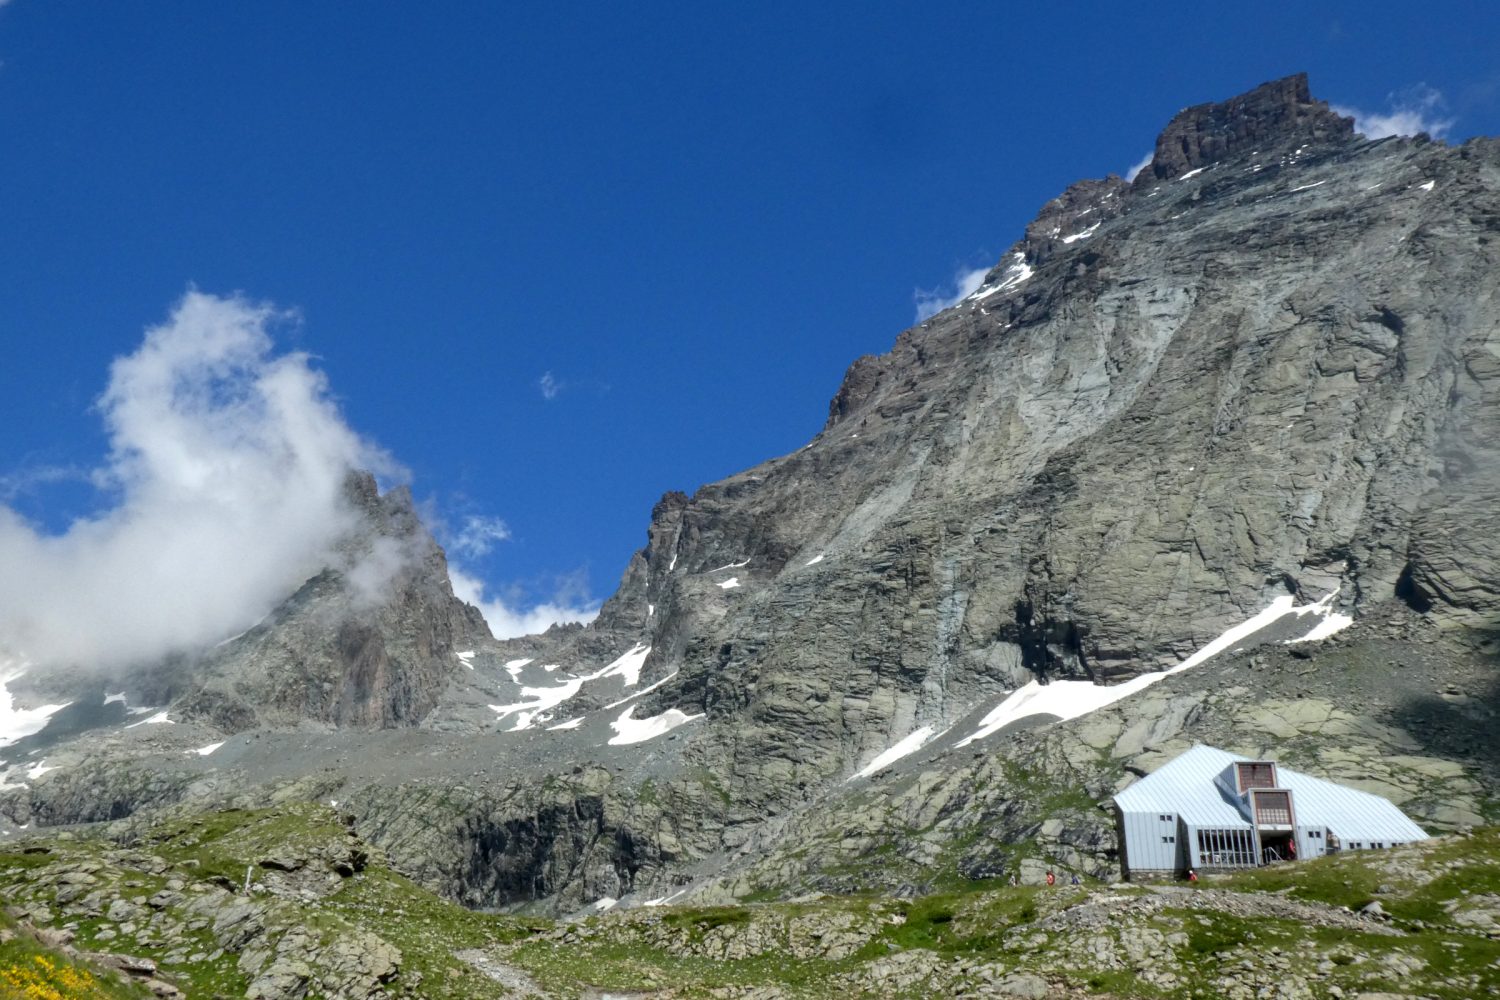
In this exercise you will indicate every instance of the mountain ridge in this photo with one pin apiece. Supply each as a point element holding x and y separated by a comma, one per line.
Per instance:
<point>1175,402</point>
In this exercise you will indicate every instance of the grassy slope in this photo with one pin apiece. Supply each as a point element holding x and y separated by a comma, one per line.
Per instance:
<point>1290,926</point>
<point>31,971</point>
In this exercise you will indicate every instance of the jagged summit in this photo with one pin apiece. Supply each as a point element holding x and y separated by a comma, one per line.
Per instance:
<point>1275,121</point>
<point>1274,115</point>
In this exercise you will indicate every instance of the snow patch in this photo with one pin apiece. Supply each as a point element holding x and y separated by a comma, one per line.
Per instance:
<point>814,560</point>
<point>110,699</point>
<point>205,751</point>
<point>38,769</point>
<point>1331,621</point>
<point>630,730</point>
<point>911,744</point>
<point>626,667</point>
<point>466,658</point>
<point>535,701</point>
<point>1083,235</point>
<point>572,723</point>
<point>18,723</point>
<point>659,901</point>
<point>730,583</point>
<point>742,562</point>
<point>1070,699</point>
<point>645,690</point>
<point>1011,277</point>
<point>160,718</point>
<point>513,667</point>
<point>604,903</point>
<point>1306,187</point>
<point>1428,186</point>
<point>1191,173</point>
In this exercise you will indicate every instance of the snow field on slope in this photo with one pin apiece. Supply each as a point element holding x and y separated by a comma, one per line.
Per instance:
<point>630,730</point>
<point>18,723</point>
<point>1071,699</point>
<point>537,702</point>
<point>910,745</point>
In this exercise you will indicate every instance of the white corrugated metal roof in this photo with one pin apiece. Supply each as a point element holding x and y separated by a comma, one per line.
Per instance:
<point>1185,786</point>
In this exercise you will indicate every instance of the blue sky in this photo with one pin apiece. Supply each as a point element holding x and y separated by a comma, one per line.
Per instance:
<point>556,259</point>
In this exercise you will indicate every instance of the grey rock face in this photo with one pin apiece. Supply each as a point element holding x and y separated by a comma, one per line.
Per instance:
<point>1171,403</point>
<point>369,643</point>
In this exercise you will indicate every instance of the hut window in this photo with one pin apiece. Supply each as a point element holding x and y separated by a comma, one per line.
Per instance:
<point>1273,808</point>
<point>1255,774</point>
<point>1226,849</point>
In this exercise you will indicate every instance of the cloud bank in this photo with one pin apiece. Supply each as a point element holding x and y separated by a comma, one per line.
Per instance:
<point>1416,109</point>
<point>507,620</point>
<point>226,469</point>
<point>931,301</point>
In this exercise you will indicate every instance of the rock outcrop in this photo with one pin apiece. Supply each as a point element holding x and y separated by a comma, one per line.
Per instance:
<point>370,642</point>
<point>1268,120</point>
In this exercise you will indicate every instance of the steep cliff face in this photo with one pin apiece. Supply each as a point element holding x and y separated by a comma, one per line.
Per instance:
<point>1267,367</point>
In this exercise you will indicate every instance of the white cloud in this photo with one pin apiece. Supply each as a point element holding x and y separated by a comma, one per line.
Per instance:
<point>27,480</point>
<point>227,466</point>
<point>506,620</point>
<point>931,301</point>
<point>1416,109</point>
<point>1140,165</point>
<point>478,535</point>
<point>549,385</point>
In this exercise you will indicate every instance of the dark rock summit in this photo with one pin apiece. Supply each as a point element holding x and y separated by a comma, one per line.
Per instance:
<point>1271,118</point>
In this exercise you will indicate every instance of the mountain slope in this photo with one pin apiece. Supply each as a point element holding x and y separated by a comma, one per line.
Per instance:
<point>1241,401</point>
<point>284,904</point>
<point>1270,373</point>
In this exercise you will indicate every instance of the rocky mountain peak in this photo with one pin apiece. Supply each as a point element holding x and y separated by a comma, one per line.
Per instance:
<point>1275,114</point>
<point>1278,116</point>
<point>369,641</point>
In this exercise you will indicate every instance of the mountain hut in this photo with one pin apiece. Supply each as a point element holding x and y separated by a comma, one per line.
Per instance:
<point>1209,810</point>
